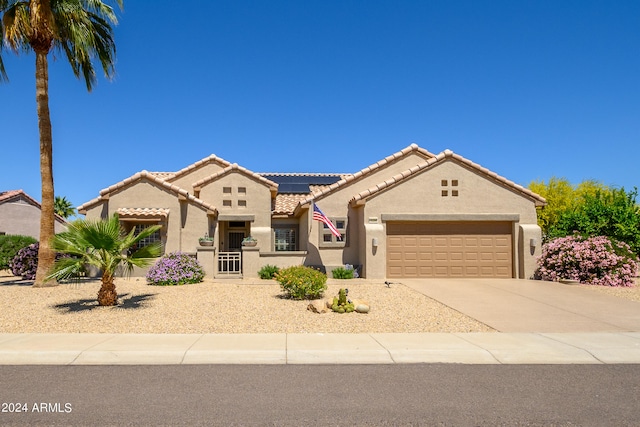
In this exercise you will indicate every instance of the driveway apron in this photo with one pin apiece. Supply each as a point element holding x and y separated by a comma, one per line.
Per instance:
<point>512,305</point>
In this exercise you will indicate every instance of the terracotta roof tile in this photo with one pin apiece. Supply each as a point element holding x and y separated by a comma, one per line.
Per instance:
<point>143,212</point>
<point>7,196</point>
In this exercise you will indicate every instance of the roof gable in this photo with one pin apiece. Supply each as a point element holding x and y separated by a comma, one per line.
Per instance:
<point>361,197</point>
<point>350,179</point>
<point>197,186</point>
<point>13,196</point>
<point>153,179</point>
<point>197,165</point>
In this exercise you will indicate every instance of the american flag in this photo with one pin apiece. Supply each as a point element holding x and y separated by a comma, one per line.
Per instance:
<point>319,216</point>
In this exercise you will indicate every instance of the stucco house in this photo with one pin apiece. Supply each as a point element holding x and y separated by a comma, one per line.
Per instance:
<point>20,215</point>
<point>412,214</point>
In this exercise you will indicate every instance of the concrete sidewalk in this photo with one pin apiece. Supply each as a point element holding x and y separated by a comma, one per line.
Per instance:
<point>466,348</point>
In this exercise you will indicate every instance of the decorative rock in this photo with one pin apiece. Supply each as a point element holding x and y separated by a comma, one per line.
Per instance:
<point>362,308</point>
<point>317,307</point>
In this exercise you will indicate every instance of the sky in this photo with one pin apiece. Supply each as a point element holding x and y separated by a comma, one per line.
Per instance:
<point>527,89</point>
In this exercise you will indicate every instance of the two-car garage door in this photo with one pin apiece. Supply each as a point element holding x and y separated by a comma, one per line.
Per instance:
<point>449,249</point>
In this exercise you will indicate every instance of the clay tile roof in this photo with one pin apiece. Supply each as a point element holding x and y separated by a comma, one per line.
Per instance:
<point>164,175</point>
<point>448,154</point>
<point>211,159</point>
<point>285,204</point>
<point>143,212</point>
<point>236,167</point>
<point>413,148</point>
<point>153,178</point>
<point>6,195</point>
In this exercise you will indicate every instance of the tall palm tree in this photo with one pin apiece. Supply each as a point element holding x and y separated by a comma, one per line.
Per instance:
<point>82,29</point>
<point>63,207</point>
<point>102,244</point>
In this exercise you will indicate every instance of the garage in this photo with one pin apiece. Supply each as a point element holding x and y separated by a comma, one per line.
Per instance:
<point>449,249</point>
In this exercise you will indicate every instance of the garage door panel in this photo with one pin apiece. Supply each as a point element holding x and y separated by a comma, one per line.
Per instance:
<point>449,250</point>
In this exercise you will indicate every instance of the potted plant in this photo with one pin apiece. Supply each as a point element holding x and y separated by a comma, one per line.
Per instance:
<point>206,240</point>
<point>249,241</point>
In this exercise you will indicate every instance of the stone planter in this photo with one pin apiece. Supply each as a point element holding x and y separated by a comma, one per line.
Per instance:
<point>206,242</point>
<point>250,243</point>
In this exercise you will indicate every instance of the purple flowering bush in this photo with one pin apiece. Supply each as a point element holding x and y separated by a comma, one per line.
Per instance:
<point>594,261</point>
<point>176,268</point>
<point>25,263</point>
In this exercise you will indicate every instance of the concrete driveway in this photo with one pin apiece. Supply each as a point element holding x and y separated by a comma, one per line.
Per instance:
<point>511,305</point>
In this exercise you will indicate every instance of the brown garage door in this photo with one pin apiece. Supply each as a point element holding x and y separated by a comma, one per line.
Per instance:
<point>449,249</point>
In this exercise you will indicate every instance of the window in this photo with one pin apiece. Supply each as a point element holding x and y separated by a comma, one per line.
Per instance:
<point>286,238</point>
<point>242,203</point>
<point>153,238</point>
<point>226,190</point>
<point>242,190</point>
<point>226,203</point>
<point>328,239</point>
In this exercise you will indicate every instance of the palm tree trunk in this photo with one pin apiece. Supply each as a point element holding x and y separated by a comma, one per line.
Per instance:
<point>107,295</point>
<point>46,255</point>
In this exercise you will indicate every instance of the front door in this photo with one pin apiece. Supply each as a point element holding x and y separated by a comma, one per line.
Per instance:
<point>235,241</point>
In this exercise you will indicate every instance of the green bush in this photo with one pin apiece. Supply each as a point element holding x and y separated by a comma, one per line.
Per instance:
<point>300,282</point>
<point>342,273</point>
<point>268,271</point>
<point>9,247</point>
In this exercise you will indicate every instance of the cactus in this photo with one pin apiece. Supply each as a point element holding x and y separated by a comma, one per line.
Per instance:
<point>341,304</point>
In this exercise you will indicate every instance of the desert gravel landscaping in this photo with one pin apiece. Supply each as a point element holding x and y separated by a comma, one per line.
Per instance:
<point>217,307</point>
<point>226,307</point>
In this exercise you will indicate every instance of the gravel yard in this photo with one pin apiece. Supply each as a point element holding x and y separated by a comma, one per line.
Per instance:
<point>217,307</point>
<point>226,307</point>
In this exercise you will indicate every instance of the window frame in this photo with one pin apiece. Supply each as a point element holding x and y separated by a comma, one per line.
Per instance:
<point>324,232</point>
<point>293,229</point>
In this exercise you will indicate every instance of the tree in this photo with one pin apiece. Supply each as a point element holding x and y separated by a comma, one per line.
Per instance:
<point>82,29</point>
<point>102,244</point>
<point>63,207</point>
<point>561,196</point>
<point>613,213</point>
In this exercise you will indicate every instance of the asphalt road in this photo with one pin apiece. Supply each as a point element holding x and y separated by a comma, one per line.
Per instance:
<point>310,395</point>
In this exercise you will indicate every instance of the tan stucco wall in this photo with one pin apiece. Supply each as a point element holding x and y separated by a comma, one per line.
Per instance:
<point>337,205</point>
<point>23,219</point>
<point>477,195</point>
<point>258,203</point>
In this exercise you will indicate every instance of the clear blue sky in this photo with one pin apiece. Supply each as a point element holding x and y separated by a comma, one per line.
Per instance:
<point>528,89</point>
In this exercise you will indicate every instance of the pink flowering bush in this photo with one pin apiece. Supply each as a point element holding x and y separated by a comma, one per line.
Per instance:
<point>594,261</point>
<point>176,268</point>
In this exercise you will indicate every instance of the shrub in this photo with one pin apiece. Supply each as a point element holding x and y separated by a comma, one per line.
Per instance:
<point>342,273</point>
<point>176,268</point>
<point>268,271</point>
<point>595,261</point>
<point>25,263</point>
<point>9,247</point>
<point>300,282</point>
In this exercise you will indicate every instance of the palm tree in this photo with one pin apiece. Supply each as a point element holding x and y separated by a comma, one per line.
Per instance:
<point>82,30</point>
<point>102,244</point>
<point>63,207</point>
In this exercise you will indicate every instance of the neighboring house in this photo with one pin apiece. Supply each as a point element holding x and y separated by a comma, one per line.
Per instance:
<point>412,214</point>
<point>20,214</point>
